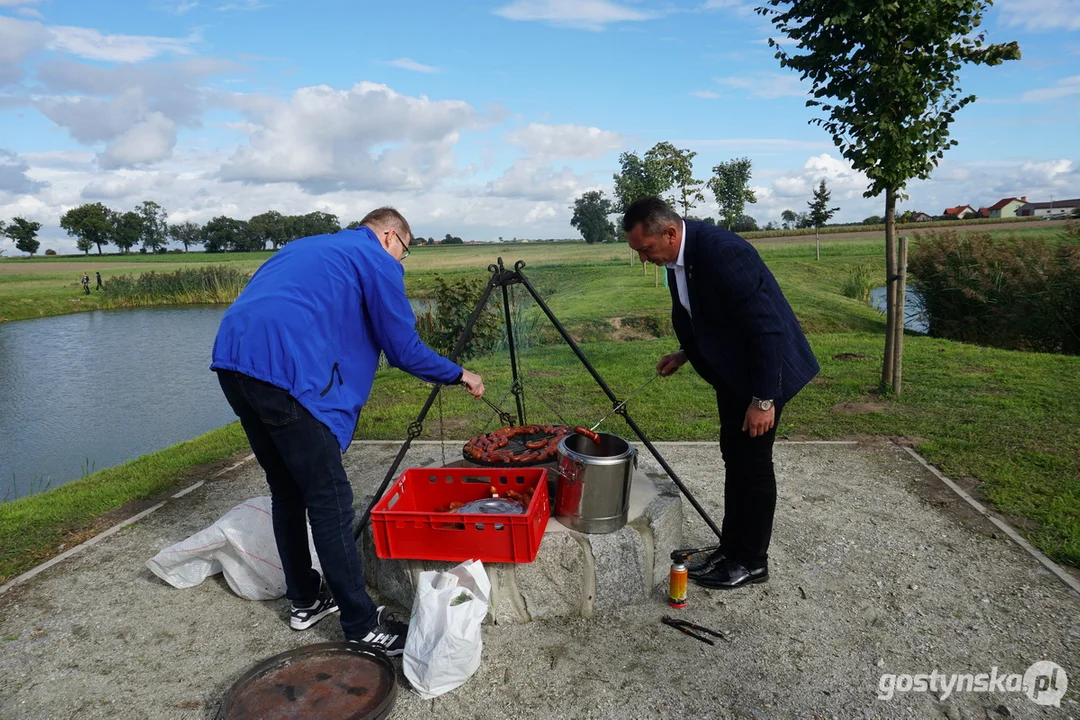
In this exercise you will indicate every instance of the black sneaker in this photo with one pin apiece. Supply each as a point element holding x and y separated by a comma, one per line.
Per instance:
<point>301,618</point>
<point>388,634</point>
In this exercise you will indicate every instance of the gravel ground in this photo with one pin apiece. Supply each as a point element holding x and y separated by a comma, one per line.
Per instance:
<point>874,570</point>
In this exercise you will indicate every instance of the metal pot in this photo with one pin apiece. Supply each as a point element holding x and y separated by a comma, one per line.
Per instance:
<point>593,491</point>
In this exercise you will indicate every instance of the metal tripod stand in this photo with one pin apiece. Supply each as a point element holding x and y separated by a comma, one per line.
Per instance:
<point>503,278</point>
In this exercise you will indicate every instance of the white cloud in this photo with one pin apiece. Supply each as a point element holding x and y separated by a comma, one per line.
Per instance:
<point>363,138</point>
<point>1038,15</point>
<point>581,14</point>
<point>766,85</point>
<point>243,5</point>
<point>18,40</point>
<point>758,146</point>
<point>147,141</point>
<point>14,3</point>
<point>410,64</point>
<point>531,179</point>
<point>705,94</point>
<point>738,6</point>
<point>565,141</point>
<point>1062,88</point>
<point>92,45</point>
<point>115,187</point>
<point>30,13</point>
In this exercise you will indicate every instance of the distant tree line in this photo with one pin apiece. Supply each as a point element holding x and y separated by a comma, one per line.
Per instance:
<point>667,172</point>
<point>147,227</point>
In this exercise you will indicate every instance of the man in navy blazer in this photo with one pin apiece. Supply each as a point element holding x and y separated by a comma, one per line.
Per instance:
<point>739,333</point>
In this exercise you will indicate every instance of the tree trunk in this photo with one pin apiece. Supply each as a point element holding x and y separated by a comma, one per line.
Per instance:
<point>898,340</point>
<point>890,288</point>
<point>817,240</point>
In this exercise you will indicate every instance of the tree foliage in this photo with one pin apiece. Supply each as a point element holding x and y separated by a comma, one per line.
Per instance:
<point>219,235</point>
<point>24,233</point>
<point>730,185</point>
<point>186,233</point>
<point>126,229</point>
<point>884,73</point>
<point>155,225</point>
<point>638,178</point>
<point>591,212</point>
<point>90,224</point>
<point>675,168</point>
<point>820,212</point>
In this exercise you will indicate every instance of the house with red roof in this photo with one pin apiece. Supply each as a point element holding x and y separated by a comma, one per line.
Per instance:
<point>960,212</point>
<point>1007,207</point>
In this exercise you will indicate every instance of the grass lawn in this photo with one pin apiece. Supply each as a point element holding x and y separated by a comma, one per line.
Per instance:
<point>1006,422</point>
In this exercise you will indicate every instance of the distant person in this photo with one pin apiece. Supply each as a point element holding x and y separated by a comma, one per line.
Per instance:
<point>100,286</point>
<point>737,330</point>
<point>86,283</point>
<point>296,356</point>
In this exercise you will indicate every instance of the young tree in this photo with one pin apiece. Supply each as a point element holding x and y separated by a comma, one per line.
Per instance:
<point>90,224</point>
<point>186,233</point>
<point>24,234</point>
<point>639,178</point>
<point>591,212</point>
<point>820,212</point>
<point>885,74</point>
<point>675,168</point>
<point>155,225</point>
<point>730,184</point>
<point>126,229</point>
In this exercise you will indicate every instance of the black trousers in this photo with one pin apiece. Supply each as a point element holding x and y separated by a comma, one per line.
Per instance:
<point>749,482</point>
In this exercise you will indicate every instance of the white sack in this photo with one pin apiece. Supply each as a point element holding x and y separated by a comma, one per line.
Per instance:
<point>240,544</point>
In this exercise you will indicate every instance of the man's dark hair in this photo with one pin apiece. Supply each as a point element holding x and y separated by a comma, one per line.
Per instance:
<point>388,217</point>
<point>652,213</point>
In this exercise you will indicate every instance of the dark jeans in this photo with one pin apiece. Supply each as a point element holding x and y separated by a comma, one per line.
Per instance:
<point>749,482</point>
<point>303,467</point>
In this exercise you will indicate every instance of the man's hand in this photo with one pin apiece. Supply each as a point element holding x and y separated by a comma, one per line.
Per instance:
<point>670,363</point>
<point>757,421</point>
<point>473,383</point>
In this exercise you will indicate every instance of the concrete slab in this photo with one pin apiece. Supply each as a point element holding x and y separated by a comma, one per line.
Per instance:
<point>874,572</point>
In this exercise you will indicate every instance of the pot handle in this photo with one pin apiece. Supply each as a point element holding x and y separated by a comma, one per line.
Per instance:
<point>578,466</point>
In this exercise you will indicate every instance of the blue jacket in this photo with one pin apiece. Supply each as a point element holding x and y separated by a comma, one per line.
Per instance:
<point>742,332</point>
<point>313,319</point>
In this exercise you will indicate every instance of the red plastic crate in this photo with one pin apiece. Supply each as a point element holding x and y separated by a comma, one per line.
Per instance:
<point>405,523</point>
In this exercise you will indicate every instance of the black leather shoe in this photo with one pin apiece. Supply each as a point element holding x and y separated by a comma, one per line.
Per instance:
<point>696,570</point>
<point>729,574</point>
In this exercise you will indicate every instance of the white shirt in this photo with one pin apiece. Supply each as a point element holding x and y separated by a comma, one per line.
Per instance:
<point>680,273</point>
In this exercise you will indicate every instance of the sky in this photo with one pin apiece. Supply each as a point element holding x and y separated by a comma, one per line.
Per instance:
<point>479,119</point>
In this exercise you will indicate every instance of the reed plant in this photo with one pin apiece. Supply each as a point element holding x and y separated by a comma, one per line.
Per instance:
<point>1014,293</point>
<point>862,279</point>
<point>187,286</point>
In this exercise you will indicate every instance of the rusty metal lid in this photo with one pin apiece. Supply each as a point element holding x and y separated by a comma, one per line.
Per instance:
<point>345,681</point>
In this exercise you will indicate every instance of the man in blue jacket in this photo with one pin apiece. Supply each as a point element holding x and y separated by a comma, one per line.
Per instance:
<point>296,357</point>
<point>738,332</point>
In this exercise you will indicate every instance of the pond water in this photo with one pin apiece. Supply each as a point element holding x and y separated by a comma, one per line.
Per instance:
<point>83,392</point>
<point>914,310</point>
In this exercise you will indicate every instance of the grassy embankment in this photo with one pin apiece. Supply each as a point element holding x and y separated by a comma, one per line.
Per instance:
<point>1010,420</point>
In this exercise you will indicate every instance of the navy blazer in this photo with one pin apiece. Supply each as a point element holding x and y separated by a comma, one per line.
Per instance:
<point>742,333</point>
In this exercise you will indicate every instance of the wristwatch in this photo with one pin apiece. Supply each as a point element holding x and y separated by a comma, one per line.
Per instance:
<point>763,405</point>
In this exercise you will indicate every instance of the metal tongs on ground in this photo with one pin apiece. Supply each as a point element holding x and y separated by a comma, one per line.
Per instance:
<point>687,627</point>
<point>619,407</point>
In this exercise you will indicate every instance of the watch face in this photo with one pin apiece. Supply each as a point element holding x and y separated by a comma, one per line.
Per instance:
<point>764,404</point>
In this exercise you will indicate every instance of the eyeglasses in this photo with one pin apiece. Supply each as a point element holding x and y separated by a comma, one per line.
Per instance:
<point>406,253</point>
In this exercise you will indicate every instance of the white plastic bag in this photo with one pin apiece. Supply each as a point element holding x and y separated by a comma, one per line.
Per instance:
<point>443,647</point>
<point>240,544</point>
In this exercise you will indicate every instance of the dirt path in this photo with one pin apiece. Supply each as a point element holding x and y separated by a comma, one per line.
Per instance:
<point>901,230</point>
